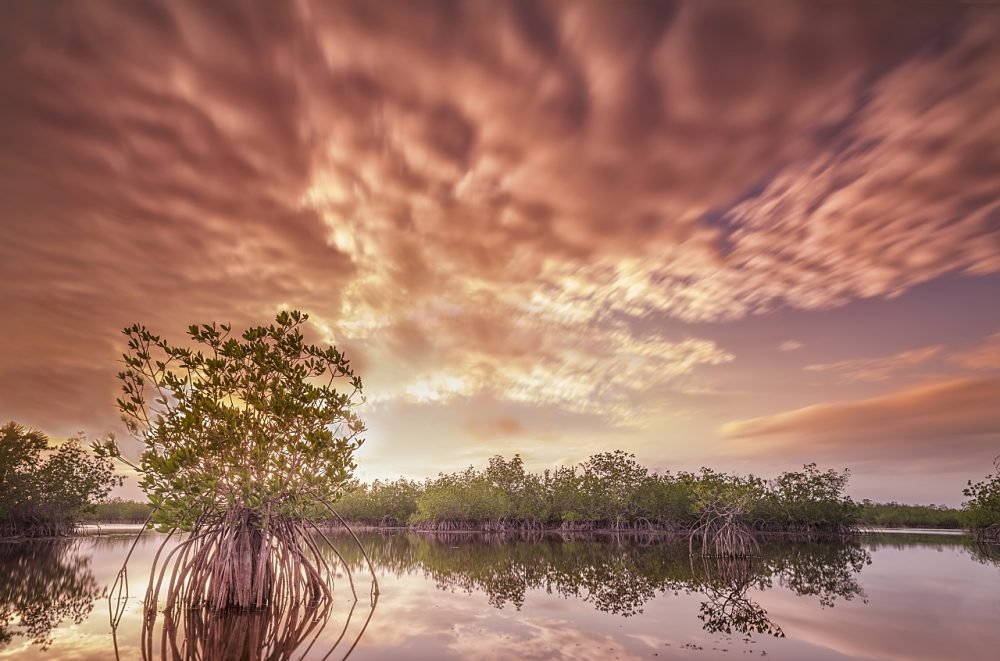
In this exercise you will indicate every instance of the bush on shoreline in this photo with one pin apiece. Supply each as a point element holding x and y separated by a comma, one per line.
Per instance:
<point>46,490</point>
<point>981,512</point>
<point>608,491</point>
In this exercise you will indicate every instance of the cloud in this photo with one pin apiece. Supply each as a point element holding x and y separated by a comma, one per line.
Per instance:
<point>945,421</point>
<point>873,215</point>
<point>984,357</point>
<point>877,369</point>
<point>146,177</point>
<point>557,175</point>
<point>604,371</point>
<point>543,637</point>
<point>494,428</point>
<point>790,345</point>
<point>496,199</point>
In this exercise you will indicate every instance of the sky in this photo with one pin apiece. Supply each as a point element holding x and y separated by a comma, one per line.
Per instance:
<point>741,235</point>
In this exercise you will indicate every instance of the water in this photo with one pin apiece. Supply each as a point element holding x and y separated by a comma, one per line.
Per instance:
<point>892,596</point>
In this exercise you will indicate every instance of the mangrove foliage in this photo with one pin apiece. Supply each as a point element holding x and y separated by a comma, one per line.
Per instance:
<point>117,510</point>
<point>900,515</point>
<point>981,510</point>
<point>243,436</point>
<point>610,490</point>
<point>45,490</point>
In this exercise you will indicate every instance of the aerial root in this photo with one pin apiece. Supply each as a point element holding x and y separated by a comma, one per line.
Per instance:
<point>720,532</point>
<point>239,578</point>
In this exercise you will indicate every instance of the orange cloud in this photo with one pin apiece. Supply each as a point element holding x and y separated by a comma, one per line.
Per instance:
<point>494,428</point>
<point>877,369</point>
<point>495,199</point>
<point>593,370</point>
<point>956,419</point>
<point>872,215</point>
<point>984,357</point>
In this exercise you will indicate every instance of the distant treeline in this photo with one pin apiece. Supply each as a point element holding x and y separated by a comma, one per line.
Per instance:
<point>612,491</point>
<point>404,503</point>
<point>608,491</point>
<point>117,510</point>
<point>898,515</point>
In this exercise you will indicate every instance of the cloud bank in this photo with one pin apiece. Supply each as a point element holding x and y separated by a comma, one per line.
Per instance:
<point>538,203</point>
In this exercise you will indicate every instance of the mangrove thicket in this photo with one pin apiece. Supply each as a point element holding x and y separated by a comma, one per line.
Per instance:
<point>610,490</point>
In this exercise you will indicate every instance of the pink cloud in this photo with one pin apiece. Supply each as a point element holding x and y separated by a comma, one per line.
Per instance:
<point>945,421</point>
<point>877,369</point>
<point>478,198</point>
<point>986,356</point>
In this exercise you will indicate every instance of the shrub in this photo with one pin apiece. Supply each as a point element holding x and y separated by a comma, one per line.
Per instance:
<point>46,490</point>
<point>981,510</point>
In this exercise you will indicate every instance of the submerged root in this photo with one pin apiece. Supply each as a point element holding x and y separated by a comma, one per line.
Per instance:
<point>806,531</point>
<point>273,633</point>
<point>267,633</point>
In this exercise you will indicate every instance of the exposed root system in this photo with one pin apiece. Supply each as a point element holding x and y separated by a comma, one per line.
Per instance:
<point>268,634</point>
<point>721,533</point>
<point>241,585</point>
<point>234,560</point>
<point>36,528</point>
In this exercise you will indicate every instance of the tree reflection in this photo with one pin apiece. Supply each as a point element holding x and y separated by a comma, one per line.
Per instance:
<point>987,554</point>
<point>725,582</point>
<point>826,570</point>
<point>269,634</point>
<point>620,574</point>
<point>43,583</point>
<point>287,628</point>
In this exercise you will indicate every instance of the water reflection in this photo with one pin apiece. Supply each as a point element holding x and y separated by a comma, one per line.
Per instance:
<point>984,554</point>
<point>456,596</point>
<point>724,584</point>
<point>260,635</point>
<point>43,584</point>
<point>170,630</point>
<point>620,575</point>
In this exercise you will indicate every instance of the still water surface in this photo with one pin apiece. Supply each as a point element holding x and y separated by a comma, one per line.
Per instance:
<point>474,596</point>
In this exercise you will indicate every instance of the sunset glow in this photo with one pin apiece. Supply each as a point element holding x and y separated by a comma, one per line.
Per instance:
<point>726,234</point>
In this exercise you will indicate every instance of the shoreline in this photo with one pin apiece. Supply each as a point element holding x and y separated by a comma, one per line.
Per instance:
<point>916,531</point>
<point>120,528</point>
